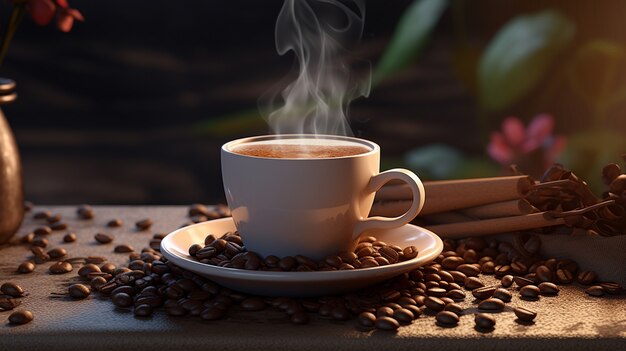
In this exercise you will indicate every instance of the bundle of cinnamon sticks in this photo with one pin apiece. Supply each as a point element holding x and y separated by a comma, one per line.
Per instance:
<point>559,202</point>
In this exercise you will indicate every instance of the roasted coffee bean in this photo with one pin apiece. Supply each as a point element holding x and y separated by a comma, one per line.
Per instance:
<point>58,226</point>
<point>212,313</point>
<point>437,292</point>
<point>519,268</point>
<point>452,262</point>
<point>43,230</point>
<point>525,314</point>
<point>386,323</point>
<point>88,268</point>
<point>97,282</point>
<point>409,252</point>
<point>455,308</point>
<point>384,311</point>
<point>39,241</point>
<point>390,254</point>
<point>563,276</point>
<point>434,303</point>
<point>502,271</point>
<point>529,292</point>
<point>491,304</point>
<point>484,321</point>
<point>586,277</point>
<point>458,277</point>
<point>507,281</point>
<point>533,244</point>
<point>596,290</point>
<point>28,238</point>
<point>69,237</point>
<point>85,212</point>
<point>26,267</point>
<point>468,269</point>
<point>54,218</point>
<point>502,294</point>
<point>287,263</point>
<point>124,248</point>
<point>484,292</point>
<point>456,294</point>
<point>79,291</point>
<point>143,310</point>
<point>253,304</point>
<point>42,215</point>
<point>447,318</point>
<point>568,265</point>
<point>340,313</point>
<point>612,288</point>
<point>403,315</point>
<point>21,317</point>
<point>57,252</point>
<point>12,289</point>
<point>544,274</point>
<point>103,238</point>
<point>547,288</point>
<point>143,224</point>
<point>7,304</point>
<point>472,283</point>
<point>114,223</point>
<point>367,319</point>
<point>299,318</point>
<point>488,267</point>
<point>521,281</point>
<point>60,267</point>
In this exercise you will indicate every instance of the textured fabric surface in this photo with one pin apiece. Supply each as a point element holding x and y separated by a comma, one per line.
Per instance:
<point>570,321</point>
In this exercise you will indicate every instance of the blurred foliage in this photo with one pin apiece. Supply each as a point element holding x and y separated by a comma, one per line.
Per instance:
<point>439,161</point>
<point>518,56</point>
<point>410,37</point>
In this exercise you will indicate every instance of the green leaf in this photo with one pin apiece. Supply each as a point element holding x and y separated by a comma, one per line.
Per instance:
<point>519,55</point>
<point>411,34</point>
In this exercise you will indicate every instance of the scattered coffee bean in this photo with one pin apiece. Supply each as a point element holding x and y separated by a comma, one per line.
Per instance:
<point>386,323</point>
<point>26,267</point>
<point>563,276</point>
<point>612,288</point>
<point>472,283</point>
<point>367,319</point>
<point>7,304</point>
<point>586,277</point>
<point>455,308</point>
<point>85,212</point>
<point>40,241</point>
<point>79,291</point>
<point>103,238</point>
<point>529,292</point>
<point>122,300</point>
<point>21,317</point>
<point>491,304</point>
<point>97,282</point>
<point>212,313</point>
<point>403,315</point>
<point>484,321</point>
<point>124,248</point>
<point>410,252</point>
<point>456,294</point>
<point>253,304</point>
<point>595,290</point>
<point>484,292</point>
<point>525,314</point>
<point>58,226</point>
<point>43,230</point>
<point>42,215</point>
<point>434,303</point>
<point>61,267</point>
<point>143,310</point>
<point>69,237</point>
<point>88,268</point>
<point>521,281</point>
<point>115,223</point>
<point>507,281</point>
<point>544,274</point>
<point>144,224</point>
<point>447,318</point>
<point>468,269</point>
<point>547,288</point>
<point>57,252</point>
<point>12,289</point>
<point>53,218</point>
<point>502,294</point>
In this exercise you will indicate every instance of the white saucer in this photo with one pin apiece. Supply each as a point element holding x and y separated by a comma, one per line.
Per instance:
<point>267,283</point>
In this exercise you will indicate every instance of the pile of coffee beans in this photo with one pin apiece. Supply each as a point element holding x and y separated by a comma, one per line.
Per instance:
<point>229,251</point>
<point>437,291</point>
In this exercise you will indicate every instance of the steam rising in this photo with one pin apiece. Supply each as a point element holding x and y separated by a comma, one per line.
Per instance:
<point>318,32</point>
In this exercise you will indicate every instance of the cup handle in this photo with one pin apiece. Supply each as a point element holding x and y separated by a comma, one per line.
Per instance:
<point>376,183</point>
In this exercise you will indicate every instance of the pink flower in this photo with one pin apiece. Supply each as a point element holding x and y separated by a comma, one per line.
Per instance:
<point>43,11</point>
<point>515,143</point>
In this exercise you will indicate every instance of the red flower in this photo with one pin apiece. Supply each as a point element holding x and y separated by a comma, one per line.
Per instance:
<point>42,12</point>
<point>516,143</point>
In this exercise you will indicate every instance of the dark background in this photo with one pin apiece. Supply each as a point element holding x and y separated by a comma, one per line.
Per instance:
<point>119,110</point>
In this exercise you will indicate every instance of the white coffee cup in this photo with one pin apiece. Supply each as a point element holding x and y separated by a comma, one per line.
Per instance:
<point>308,206</point>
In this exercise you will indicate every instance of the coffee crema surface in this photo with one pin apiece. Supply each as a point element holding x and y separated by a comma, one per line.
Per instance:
<point>278,150</point>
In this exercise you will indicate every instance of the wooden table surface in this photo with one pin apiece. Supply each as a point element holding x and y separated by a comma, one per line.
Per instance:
<point>570,321</point>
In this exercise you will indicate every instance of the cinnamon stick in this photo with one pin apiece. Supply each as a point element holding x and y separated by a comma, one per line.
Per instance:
<point>448,195</point>
<point>501,209</point>
<point>495,225</point>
